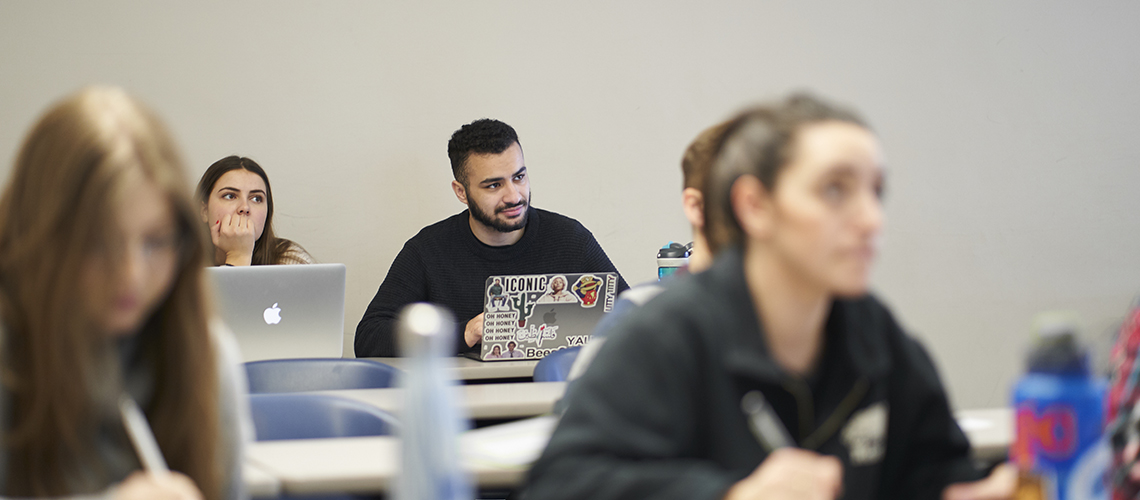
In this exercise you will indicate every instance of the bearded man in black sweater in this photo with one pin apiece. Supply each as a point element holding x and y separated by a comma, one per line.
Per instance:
<point>500,233</point>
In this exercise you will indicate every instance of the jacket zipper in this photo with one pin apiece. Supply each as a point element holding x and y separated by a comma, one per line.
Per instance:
<point>806,410</point>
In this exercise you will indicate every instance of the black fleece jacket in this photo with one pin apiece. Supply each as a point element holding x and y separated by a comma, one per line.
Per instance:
<point>446,264</point>
<point>659,412</point>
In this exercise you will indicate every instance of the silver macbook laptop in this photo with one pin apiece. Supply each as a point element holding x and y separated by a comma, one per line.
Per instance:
<point>293,311</point>
<point>530,316</point>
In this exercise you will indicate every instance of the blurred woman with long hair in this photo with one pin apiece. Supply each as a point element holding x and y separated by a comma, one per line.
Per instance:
<point>101,295</point>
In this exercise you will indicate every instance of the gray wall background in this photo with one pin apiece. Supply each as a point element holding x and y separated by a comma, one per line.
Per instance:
<point>1008,126</point>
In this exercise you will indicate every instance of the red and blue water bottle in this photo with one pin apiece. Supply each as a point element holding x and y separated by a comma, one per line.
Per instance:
<point>1059,446</point>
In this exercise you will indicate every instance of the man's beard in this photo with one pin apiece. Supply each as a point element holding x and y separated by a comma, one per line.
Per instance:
<point>496,224</point>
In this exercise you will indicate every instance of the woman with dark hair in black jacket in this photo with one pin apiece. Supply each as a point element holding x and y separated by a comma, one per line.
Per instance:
<point>774,374</point>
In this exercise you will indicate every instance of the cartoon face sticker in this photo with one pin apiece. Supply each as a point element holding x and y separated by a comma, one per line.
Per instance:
<point>586,289</point>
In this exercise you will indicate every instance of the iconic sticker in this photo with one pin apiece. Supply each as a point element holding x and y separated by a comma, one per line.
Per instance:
<point>513,284</point>
<point>865,434</point>
<point>587,288</point>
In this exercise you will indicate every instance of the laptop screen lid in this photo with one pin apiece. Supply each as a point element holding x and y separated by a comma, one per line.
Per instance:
<point>288,311</point>
<point>530,316</point>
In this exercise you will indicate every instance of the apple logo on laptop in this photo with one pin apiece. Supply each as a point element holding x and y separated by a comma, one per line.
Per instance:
<point>272,315</point>
<point>549,318</point>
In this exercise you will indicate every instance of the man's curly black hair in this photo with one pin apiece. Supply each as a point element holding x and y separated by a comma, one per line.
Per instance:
<point>484,136</point>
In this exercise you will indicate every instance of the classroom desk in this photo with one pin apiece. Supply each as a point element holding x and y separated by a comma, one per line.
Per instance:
<point>470,369</point>
<point>482,401</point>
<point>497,456</point>
<point>258,482</point>
<point>990,432</point>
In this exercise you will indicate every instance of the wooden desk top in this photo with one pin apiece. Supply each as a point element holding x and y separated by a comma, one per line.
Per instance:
<point>470,369</point>
<point>482,401</point>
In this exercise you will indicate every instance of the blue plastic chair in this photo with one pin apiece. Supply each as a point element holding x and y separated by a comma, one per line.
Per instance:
<point>555,367</point>
<point>316,416</point>
<point>317,374</point>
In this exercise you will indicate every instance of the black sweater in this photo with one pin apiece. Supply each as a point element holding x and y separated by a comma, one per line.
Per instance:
<point>659,412</point>
<point>446,264</point>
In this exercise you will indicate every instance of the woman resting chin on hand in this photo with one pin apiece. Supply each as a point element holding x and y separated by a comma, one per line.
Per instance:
<point>233,236</point>
<point>236,203</point>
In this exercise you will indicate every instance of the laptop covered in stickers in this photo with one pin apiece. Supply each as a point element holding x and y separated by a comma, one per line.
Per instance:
<point>530,316</point>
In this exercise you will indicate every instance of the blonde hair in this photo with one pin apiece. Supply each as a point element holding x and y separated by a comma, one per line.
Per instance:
<point>53,213</point>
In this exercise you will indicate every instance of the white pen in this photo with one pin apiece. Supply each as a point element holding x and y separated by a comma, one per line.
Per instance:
<point>141,436</point>
<point>764,422</point>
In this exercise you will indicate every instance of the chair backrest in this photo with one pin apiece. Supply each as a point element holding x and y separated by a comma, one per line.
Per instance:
<point>555,367</point>
<point>317,374</point>
<point>316,416</point>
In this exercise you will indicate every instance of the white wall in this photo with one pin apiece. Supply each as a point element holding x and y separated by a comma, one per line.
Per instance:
<point>1009,127</point>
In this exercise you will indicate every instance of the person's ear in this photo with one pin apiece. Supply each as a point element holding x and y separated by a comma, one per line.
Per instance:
<point>460,191</point>
<point>693,203</point>
<point>205,214</point>
<point>754,207</point>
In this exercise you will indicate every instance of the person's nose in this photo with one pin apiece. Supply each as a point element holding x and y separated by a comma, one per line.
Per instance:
<point>135,264</point>
<point>870,217</point>
<point>513,195</point>
<point>243,209</point>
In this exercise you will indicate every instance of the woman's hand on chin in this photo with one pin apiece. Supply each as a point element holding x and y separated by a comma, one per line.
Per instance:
<point>234,235</point>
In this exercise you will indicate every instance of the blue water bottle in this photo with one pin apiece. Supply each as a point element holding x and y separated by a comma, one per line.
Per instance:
<point>672,258</point>
<point>1059,446</point>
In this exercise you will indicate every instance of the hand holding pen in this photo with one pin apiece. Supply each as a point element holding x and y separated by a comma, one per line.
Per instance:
<point>791,473</point>
<point>157,481</point>
<point>788,472</point>
<point>157,486</point>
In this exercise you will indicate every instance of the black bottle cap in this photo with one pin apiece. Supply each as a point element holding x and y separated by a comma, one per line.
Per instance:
<point>673,251</point>
<point>1057,350</point>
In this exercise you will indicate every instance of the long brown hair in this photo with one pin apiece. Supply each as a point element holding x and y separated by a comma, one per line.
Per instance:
<point>268,249</point>
<point>53,212</point>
